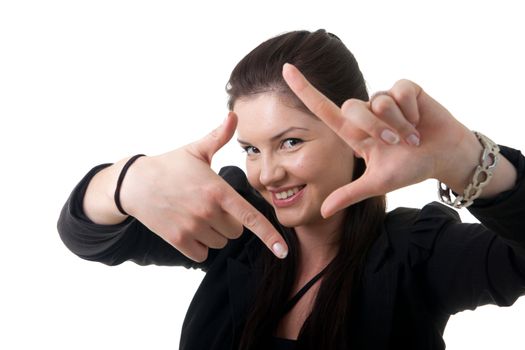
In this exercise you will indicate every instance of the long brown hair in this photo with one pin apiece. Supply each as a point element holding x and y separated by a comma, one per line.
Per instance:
<point>332,69</point>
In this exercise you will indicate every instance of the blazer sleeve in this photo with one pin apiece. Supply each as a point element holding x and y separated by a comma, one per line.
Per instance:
<point>131,240</point>
<point>466,265</point>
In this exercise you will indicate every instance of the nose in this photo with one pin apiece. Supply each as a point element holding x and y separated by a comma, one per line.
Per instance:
<point>271,171</point>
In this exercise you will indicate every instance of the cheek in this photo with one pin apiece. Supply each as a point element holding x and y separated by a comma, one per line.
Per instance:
<point>311,165</point>
<point>330,168</point>
<point>252,173</point>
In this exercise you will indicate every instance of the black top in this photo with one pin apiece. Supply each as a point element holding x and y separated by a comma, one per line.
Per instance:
<point>289,344</point>
<point>425,266</point>
<point>282,344</point>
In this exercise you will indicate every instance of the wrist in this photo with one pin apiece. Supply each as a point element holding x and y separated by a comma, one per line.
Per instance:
<point>463,163</point>
<point>480,185</point>
<point>120,180</point>
<point>98,203</point>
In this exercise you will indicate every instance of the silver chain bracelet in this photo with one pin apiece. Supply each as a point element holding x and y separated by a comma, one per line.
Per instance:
<point>482,176</point>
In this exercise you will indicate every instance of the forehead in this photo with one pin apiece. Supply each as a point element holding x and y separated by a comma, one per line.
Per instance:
<point>269,112</point>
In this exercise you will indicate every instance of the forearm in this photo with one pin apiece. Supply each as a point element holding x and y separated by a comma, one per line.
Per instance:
<point>475,267</point>
<point>107,243</point>
<point>99,203</point>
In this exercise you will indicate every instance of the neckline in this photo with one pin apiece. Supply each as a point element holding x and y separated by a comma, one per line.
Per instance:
<point>293,300</point>
<point>285,340</point>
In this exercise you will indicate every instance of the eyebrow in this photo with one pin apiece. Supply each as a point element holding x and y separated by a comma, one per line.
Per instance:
<point>279,135</point>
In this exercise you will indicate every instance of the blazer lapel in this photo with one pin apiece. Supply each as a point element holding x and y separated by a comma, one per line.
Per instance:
<point>242,277</point>
<point>378,295</point>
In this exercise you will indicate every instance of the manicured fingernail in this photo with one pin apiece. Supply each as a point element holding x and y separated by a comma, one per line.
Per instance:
<point>279,250</point>
<point>413,140</point>
<point>389,137</point>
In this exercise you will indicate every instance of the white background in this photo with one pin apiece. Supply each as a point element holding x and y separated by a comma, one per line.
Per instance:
<point>88,82</point>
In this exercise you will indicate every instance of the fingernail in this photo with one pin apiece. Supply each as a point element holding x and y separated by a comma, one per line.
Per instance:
<point>413,140</point>
<point>389,137</point>
<point>285,68</point>
<point>279,250</point>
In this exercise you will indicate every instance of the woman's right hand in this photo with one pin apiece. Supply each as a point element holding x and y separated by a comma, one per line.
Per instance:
<point>181,199</point>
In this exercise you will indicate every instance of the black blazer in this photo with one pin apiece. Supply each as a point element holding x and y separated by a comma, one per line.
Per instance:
<point>425,266</point>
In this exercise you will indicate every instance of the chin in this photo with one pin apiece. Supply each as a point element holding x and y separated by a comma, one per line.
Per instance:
<point>287,220</point>
<point>293,220</point>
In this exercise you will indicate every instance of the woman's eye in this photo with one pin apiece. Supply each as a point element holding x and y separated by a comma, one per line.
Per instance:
<point>292,142</point>
<point>250,150</point>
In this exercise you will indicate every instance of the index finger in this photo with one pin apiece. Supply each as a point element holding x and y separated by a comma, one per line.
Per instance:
<point>252,219</point>
<point>319,104</point>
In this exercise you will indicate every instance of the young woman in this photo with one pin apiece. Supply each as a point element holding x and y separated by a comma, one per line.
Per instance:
<point>299,253</point>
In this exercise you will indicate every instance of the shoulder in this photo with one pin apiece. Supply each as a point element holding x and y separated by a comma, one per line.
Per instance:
<point>403,217</point>
<point>412,232</point>
<point>234,176</point>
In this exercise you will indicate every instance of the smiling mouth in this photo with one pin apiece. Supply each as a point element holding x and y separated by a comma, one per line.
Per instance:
<point>287,194</point>
<point>289,197</point>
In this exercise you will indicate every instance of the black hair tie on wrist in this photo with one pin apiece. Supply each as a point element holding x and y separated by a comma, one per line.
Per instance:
<point>121,178</point>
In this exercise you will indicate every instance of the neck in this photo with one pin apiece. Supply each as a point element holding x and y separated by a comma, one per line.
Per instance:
<point>318,242</point>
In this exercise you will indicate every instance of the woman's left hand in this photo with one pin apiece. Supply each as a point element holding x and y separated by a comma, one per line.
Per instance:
<point>403,135</point>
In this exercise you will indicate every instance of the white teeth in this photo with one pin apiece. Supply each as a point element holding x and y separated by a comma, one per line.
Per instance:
<point>287,194</point>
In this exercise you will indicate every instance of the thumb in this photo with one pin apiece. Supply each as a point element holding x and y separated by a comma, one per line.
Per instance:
<point>215,140</point>
<point>347,195</point>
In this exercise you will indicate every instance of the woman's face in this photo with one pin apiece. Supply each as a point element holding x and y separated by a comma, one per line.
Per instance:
<point>292,158</point>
